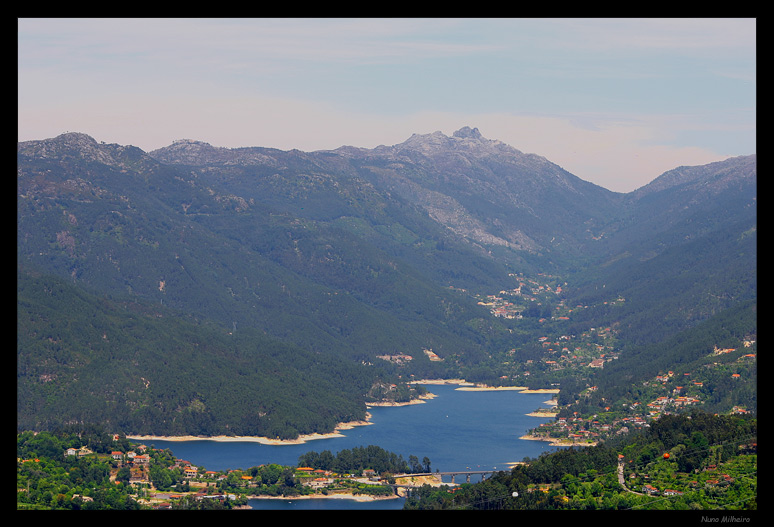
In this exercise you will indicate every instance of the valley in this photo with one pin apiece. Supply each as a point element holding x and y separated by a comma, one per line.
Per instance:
<point>550,361</point>
<point>198,290</point>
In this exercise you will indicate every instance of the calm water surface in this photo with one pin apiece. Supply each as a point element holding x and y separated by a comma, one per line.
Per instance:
<point>457,430</point>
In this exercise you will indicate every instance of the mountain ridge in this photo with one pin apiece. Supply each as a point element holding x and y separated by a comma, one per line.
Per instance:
<point>466,139</point>
<point>463,177</point>
<point>482,192</point>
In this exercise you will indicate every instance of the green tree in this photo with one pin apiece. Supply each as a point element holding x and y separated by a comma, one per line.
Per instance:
<point>124,474</point>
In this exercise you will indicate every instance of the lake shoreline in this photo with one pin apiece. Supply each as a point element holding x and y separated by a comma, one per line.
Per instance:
<point>558,441</point>
<point>256,439</point>
<point>342,496</point>
<point>431,430</point>
<point>417,480</point>
<point>302,439</point>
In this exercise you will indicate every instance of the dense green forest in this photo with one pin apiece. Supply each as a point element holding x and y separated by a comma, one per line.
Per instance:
<point>150,371</point>
<point>360,458</point>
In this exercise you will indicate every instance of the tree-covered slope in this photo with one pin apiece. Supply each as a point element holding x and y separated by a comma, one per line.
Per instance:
<point>82,358</point>
<point>678,253</point>
<point>159,234</point>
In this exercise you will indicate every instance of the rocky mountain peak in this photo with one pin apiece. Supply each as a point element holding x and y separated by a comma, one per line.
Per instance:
<point>714,177</point>
<point>69,141</point>
<point>467,141</point>
<point>468,132</point>
<point>186,151</point>
<point>79,145</point>
<point>201,153</point>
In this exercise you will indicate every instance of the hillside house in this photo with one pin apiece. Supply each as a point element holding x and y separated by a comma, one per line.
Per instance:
<point>141,459</point>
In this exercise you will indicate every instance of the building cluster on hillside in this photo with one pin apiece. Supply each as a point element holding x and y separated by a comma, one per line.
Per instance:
<point>677,391</point>
<point>398,359</point>
<point>201,484</point>
<point>579,430</point>
<point>588,352</point>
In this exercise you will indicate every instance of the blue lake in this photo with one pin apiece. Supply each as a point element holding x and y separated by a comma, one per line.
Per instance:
<point>457,430</point>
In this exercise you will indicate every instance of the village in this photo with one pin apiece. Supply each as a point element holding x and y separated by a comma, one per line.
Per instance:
<point>666,393</point>
<point>160,481</point>
<point>564,354</point>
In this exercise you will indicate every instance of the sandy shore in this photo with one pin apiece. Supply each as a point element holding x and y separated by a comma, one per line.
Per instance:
<point>558,441</point>
<point>551,441</point>
<point>521,389</point>
<point>543,414</point>
<point>420,400</point>
<point>441,381</point>
<point>467,386</point>
<point>254,439</point>
<point>334,496</point>
<point>491,388</point>
<point>471,387</point>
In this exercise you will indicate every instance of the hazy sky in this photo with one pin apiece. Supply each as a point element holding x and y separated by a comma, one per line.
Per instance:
<point>613,101</point>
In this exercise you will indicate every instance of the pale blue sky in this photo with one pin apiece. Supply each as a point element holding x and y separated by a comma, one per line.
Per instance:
<point>614,101</point>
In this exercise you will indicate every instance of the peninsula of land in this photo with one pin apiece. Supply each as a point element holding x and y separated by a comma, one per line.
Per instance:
<point>298,441</point>
<point>255,439</point>
<point>464,386</point>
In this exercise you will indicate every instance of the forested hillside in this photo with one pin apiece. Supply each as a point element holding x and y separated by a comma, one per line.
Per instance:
<point>148,370</point>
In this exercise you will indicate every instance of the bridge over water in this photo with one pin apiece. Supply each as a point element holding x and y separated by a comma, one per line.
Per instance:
<point>406,488</point>
<point>466,473</point>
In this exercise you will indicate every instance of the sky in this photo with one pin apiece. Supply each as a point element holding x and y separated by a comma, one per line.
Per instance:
<point>616,102</point>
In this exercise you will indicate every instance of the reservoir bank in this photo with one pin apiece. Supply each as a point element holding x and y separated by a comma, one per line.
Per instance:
<point>457,429</point>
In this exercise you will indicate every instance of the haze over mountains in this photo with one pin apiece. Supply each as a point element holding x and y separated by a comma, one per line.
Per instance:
<point>145,277</point>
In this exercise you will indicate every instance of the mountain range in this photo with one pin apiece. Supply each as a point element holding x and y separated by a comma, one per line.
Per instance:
<point>204,290</point>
